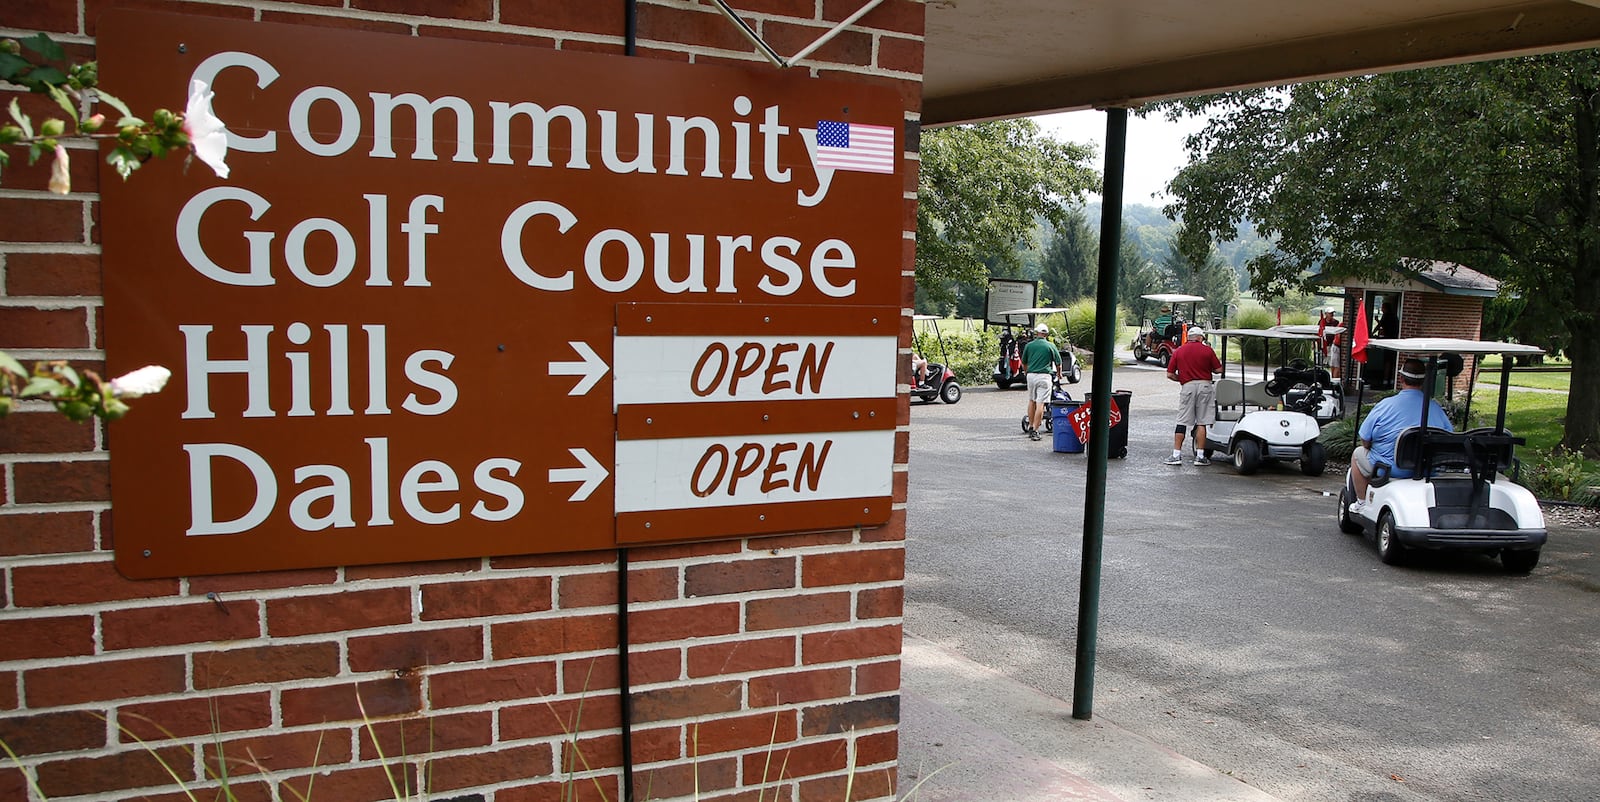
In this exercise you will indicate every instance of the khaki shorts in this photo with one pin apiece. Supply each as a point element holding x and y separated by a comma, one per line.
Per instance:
<point>1197,404</point>
<point>1040,386</point>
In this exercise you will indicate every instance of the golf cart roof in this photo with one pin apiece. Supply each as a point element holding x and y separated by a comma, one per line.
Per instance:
<point>1451,345</point>
<point>1034,310</point>
<point>1172,298</point>
<point>1271,334</point>
<point>1308,328</point>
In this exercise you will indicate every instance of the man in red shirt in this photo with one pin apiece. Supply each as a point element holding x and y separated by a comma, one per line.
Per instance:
<point>1192,366</point>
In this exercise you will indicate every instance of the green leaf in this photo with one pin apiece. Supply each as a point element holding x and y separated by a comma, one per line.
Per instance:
<point>44,46</point>
<point>21,119</point>
<point>124,160</point>
<point>10,365</point>
<point>113,102</point>
<point>40,385</point>
<point>69,375</point>
<point>47,76</point>
<point>63,100</point>
<point>12,66</point>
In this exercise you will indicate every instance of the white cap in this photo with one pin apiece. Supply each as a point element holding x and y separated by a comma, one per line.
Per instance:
<point>1196,332</point>
<point>1042,328</point>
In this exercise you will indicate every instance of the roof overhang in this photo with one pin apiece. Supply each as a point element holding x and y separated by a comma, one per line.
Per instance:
<point>988,59</point>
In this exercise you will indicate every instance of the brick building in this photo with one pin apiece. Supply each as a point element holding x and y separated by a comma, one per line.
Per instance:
<point>1430,299</point>
<point>758,663</point>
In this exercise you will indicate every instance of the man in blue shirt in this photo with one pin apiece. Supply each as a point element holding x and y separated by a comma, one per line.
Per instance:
<point>1383,425</point>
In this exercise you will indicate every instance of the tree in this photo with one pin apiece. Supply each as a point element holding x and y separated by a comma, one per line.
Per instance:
<point>1193,266</point>
<point>1137,276</point>
<point>981,188</point>
<point>1493,165</point>
<point>1070,266</point>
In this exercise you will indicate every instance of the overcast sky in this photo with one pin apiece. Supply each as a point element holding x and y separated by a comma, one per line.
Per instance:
<point>1155,149</point>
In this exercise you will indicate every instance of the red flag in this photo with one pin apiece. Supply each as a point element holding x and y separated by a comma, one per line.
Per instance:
<point>1358,331</point>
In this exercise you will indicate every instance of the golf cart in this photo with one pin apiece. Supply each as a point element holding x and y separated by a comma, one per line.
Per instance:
<point>1311,388</point>
<point>1160,344</point>
<point>1453,499</point>
<point>1254,425</point>
<point>939,381</point>
<point>1008,367</point>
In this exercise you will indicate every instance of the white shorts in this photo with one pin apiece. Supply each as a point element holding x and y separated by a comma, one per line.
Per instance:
<point>1333,356</point>
<point>1040,386</point>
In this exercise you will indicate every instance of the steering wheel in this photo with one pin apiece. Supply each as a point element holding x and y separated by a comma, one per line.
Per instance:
<point>1299,364</point>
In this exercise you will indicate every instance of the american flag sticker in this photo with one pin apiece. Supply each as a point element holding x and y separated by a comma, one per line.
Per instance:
<point>852,146</point>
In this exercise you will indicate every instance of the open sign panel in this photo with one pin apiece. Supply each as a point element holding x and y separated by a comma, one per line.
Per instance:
<point>391,327</point>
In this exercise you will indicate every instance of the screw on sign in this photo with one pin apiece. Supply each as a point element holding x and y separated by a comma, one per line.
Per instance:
<point>1079,418</point>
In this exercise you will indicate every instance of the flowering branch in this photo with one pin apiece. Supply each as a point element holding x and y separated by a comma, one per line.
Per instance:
<point>31,63</point>
<point>79,396</point>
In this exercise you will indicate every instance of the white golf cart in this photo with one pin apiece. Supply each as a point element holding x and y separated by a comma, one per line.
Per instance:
<point>1253,424</point>
<point>1148,342</point>
<point>1008,368</point>
<point>1454,499</point>
<point>1312,388</point>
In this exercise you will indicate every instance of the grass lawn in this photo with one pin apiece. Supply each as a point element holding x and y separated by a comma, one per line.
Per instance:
<point>1489,374</point>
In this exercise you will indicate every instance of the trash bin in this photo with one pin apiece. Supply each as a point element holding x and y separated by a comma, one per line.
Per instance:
<point>1066,440</point>
<point>1119,433</point>
<point>1216,321</point>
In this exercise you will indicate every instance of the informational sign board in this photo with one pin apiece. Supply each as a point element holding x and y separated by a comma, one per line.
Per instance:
<point>407,325</point>
<point>1006,294</point>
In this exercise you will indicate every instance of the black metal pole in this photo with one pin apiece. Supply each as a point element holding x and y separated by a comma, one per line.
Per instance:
<point>1105,345</point>
<point>630,11</point>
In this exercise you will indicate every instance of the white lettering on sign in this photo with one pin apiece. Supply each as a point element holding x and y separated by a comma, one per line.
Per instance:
<point>615,260</point>
<point>692,472</point>
<point>665,370</point>
<point>254,361</point>
<point>429,491</point>
<point>690,140</point>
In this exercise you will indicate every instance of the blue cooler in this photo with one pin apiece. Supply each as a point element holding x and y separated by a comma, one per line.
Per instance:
<point>1066,440</point>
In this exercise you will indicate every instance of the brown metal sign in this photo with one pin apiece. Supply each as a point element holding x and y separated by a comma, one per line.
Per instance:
<point>394,329</point>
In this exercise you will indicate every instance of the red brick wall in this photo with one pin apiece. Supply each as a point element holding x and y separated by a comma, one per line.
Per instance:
<point>1430,314</point>
<point>478,675</point>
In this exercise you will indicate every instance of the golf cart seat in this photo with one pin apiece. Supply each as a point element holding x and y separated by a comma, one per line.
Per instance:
<point>1258,394</point>
<point>1230,399</point>
<point>1483,452</point>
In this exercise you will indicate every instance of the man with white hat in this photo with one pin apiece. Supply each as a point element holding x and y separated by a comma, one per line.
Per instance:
<point>1043,363</point>
<point>1192,367</point>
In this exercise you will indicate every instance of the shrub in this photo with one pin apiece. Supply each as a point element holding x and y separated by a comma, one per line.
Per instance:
<point>1338,437</point>
<point>1080,325</point>
<point>971,354</point>
<point>1561,475</point>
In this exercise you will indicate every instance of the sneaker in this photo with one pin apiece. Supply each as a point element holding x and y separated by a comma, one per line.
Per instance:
<point>1358,507</point>
<point>1172,461</point>
<point>1201,460</point>
<point>1032,435</point>
<point>1027,428</point>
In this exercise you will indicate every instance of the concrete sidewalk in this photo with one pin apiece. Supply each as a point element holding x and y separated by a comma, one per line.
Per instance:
<point>993,739</point>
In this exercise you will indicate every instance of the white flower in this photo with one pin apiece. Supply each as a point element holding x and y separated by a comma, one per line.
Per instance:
<point>208,136</point>
<point>145,380</point>
<point>61,172</point>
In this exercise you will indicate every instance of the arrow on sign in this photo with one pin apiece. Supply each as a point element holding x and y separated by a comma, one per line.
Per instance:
<point>591,368</point>
<point>591,474</point>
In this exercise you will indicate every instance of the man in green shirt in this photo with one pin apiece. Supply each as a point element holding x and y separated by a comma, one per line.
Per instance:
<point>1043,364</point>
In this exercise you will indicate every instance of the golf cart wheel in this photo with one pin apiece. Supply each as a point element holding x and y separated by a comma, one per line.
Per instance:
<point>1166,356</point>
<point>950,393</point>
<point>1389,548</point>
<point>1076,374</point>
<point>1246,457</point>
<point>1312,459</point>
<point>1002,384</point>
<point>1139,353</point>
<point>1347,525</point>
<point>1519,562</point>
